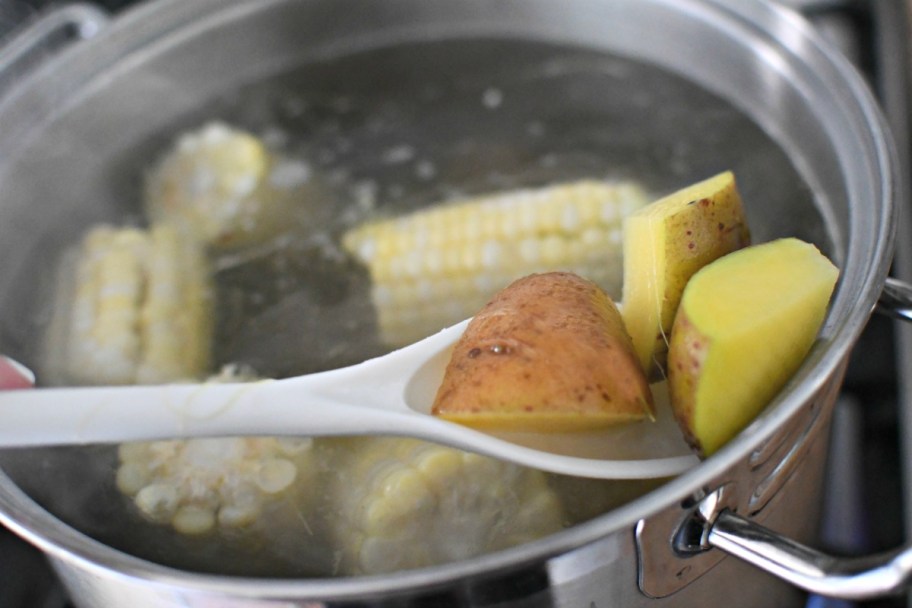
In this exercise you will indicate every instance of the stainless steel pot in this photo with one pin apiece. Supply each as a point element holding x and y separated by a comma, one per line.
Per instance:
<point>663,90</point>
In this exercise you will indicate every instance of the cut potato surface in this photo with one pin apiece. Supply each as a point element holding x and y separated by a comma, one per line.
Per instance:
<point>745,324</point>
<point>665,243</point>
<point>548,353</point>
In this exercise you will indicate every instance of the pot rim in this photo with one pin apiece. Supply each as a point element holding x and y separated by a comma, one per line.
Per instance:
<point>777,27</point>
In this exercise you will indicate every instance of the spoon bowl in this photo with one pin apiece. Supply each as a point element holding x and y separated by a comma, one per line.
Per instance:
<point>388,395</point>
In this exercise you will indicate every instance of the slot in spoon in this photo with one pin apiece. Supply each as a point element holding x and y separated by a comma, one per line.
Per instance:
<point>388,395</point>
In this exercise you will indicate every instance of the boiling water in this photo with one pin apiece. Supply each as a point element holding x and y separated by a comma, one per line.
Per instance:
<point>387,132</point>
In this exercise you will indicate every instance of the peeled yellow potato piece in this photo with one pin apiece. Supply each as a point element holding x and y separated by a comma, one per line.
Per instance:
<point>745,324</point>
<point>665,243</point>
<point>548,353</point>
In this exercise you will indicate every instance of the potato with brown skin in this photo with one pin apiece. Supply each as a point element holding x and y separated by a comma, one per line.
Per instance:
<point>665,243</point>
<point>548,353</point>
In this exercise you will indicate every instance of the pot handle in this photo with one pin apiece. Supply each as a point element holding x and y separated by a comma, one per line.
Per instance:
<point>896,300</point>
<point>846,578</point>
<point>50,30</point>
<point>858,578</point>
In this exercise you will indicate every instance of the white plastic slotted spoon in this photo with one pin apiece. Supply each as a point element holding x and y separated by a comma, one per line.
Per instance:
<point>389,395</point>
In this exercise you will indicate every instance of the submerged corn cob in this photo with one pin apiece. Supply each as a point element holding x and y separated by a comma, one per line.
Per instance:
<point>225,186</point>
<point>196,485</point>
<point>438,266</point>
<point>139,310</point>
<point>404,503</point>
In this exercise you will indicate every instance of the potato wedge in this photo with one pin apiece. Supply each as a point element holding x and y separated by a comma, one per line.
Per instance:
<point>665,243</point>
<point>548,353</point>
<point>745,324</point>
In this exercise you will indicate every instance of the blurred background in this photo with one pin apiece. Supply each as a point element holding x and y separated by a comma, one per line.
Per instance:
<point>868,506</point>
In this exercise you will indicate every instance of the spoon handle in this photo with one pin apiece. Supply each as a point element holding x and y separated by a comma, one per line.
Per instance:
<point>368,398</point>
<point>68,416</point>
<point>74,416</point>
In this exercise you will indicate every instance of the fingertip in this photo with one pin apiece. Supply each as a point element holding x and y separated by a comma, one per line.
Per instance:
<point>15,375</point>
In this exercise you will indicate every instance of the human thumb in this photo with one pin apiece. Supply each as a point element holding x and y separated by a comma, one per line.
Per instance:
<point>14,375</point>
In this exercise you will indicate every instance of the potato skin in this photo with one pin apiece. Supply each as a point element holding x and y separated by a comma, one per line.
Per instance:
<point>665,243</point>
<point>548,353</point>
<point>686,353</point>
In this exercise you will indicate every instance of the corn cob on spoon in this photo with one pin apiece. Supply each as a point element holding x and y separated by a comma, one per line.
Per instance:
<point>393,394</point>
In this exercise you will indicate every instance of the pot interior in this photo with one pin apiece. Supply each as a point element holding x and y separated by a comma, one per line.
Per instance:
<point>388,129</point>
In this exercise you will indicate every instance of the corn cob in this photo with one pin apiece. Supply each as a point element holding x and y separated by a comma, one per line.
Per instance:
<point>225,186</point>
<point>438,266</point>
<point>196,485</point>
<point>404,503</point>
<point>139,310</point>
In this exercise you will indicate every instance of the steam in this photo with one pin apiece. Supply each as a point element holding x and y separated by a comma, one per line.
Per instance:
<point>12,15</point>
